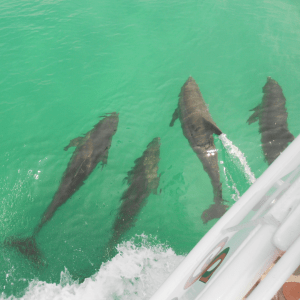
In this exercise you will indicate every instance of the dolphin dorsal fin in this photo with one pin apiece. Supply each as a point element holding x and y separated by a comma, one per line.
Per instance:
<point>254,117</point>
<point>211,127</point>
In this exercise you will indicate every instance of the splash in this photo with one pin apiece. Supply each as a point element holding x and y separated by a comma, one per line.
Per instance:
<point>237,153</point>
<point>135,273</point>
<point>236,195</point>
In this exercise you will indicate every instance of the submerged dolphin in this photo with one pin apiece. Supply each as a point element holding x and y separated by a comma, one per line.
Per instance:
<point>272,116</point>
<point>142,180</point>
<point>198,127</point>
<point>90,150</point>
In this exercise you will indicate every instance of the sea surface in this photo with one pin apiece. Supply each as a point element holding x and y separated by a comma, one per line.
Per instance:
<point>64,64</point>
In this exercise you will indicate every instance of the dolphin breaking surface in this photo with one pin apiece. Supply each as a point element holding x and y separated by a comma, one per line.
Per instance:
<point>198,127</point>
<point>272,117</point>
<point>90,150</point>
<point>143,180</point>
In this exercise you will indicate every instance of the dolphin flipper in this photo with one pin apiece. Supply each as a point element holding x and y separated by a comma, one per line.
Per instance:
<point>74,143</point>
<point>104,159</point>
<point>155,184</point>
<point>254,117</point>
<point>289,137</point>
<point>174,117</point>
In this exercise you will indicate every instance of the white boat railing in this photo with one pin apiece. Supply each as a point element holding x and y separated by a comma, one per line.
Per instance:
<point>262,226</point>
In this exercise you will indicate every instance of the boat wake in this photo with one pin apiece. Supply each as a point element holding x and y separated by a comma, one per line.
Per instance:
<point>136,272</point>
<point>236,166</point>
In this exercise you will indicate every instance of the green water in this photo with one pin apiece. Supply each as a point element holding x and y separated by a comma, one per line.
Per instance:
<point>65,63</point>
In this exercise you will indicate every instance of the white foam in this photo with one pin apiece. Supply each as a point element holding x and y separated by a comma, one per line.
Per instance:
<point>236,152</point>
<point>236,195</point>
<point>136,272</point>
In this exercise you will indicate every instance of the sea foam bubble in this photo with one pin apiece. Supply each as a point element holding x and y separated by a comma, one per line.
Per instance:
<point>136,272</point>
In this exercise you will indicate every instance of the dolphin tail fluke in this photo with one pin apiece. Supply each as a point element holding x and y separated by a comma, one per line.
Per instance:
<point>26,246</point>
<point>215,211</point>
<point>174,117</point>
<point>110,249</point>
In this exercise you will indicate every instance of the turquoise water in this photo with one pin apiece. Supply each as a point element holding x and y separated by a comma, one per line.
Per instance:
<point>64,64</point>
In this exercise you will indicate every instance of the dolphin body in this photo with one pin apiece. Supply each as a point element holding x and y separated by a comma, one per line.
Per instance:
<point>198,127</point>
<point>272,116</point>
<point>142,179</point>
<point>90,150</point>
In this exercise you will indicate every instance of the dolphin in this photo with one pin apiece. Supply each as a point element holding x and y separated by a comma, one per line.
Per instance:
<point>90,150</point>
<point>142,180</point>
<point>272,116</point>
<point>198,127</point>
